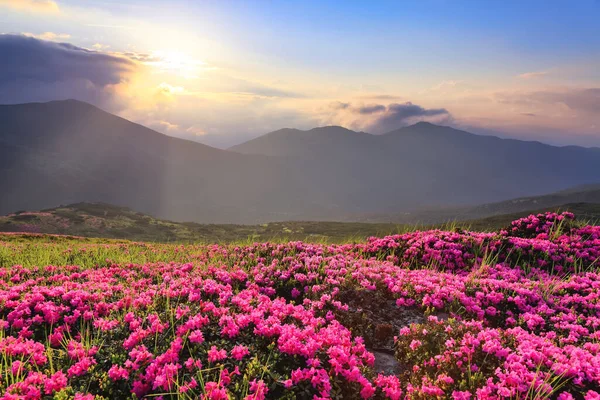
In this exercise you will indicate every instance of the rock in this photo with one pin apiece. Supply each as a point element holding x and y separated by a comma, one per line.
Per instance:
<point>386,363</point>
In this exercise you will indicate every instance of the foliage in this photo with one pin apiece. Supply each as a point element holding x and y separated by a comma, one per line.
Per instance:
<point>511,314</point>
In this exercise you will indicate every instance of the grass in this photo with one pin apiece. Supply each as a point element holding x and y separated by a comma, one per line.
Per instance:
<point>98,220</point>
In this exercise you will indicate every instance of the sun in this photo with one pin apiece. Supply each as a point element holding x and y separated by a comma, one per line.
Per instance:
<point>176,62</point>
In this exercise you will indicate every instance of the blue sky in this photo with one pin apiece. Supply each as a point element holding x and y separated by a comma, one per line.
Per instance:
<point>230,69</point>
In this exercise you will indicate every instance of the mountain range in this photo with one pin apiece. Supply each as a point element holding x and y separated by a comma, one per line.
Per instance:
<point>66,152</point>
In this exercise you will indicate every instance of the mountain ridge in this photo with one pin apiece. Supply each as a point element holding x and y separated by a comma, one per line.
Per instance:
<point>418,127</point>
<point>68,151</point>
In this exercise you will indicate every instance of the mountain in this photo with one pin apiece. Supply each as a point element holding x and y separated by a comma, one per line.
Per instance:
<point>67,152</point>
<point>584,200</point>
<point>426,165</point>
<point>314,143</point>
<point>100,220</point>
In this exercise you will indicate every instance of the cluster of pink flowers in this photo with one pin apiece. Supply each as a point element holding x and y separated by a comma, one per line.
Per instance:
<point>521,318</point>
<point>538,241</point>
<point>540,224</point>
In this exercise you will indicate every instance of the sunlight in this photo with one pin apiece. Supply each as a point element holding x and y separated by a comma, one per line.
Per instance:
<point>176,62</point>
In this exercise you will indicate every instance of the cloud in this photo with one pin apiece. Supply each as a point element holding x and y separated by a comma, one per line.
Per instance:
<point>36,70</point>
<point>167,89</point>
<point>44,6</point>
<point>48,36</point>
<point>586,100</point>
<point>531,75</point>
<point>528,114</point>
<point>380,97</point>
<point>163,126</point>
<point>338,105</point>
<point>100,46</point>
<point>253,89</point>
<point>109,26</point>
<point>195,131</point>
<point>446,84</point>
<point>142,57</point>
<point>379,118</point>
<point>371,109</point>
<point>397,115</point>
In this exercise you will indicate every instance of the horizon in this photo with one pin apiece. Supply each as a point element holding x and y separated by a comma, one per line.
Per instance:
<point>221,73</point>
<point>244,140</point>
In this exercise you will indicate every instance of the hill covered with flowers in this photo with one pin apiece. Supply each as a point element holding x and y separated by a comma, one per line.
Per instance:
<point>427,314</point>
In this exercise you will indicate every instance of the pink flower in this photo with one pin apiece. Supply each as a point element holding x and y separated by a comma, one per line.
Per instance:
<point>215,354</point>
<point>258,390</point>
<point>81,396</point>
<point>239,351</point>
<point>196,336</point>
<point>415,344</point>
<point>117,372</point>
<point>55,383</point>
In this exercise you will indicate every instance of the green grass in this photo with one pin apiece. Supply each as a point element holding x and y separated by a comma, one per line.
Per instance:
<point>111,222</point>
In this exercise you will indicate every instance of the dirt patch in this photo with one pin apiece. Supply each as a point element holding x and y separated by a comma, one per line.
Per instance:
<point>378,319</point>
<point>386,363</point>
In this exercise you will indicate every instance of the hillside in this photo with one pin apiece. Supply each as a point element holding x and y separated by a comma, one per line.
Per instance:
<point>584,194</point>
<point>106,221</point>
<point>66,152</point>
<point>425,165</point>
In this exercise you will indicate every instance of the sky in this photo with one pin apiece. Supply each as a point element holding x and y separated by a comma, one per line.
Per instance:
<point>221,72</point>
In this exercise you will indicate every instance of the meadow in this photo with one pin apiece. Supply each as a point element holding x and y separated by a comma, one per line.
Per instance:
<point>447,314</point>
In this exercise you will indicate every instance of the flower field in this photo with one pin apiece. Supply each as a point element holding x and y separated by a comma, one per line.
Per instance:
<point>513,314</point>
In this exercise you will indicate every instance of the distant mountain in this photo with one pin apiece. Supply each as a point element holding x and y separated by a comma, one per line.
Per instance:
<point>67,152</point>
<point>427,165</point>
<point>585,194</point>
<point>314,143</point>
<point>584,200</point>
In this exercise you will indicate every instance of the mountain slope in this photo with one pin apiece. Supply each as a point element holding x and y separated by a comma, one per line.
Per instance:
<point>430,165</point>
<point>67,152</point>
<point>313,143</point>
<point>585,200</point>
<point>101,220</point>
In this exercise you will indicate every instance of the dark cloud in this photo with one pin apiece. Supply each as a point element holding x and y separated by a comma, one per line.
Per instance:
<point>379,118</point>
<point>371,109</point>
<point>338,105</point>
<point>38,70</point>
<point>398,115</point>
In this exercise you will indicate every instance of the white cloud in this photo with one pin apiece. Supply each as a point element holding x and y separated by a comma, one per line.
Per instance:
<point>51,36</point>
<point>532,75</point>
<point>100,46</point>
<point>44,6</point>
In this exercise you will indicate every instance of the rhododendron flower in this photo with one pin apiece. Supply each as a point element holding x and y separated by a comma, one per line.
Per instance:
<point>239,351</point>
<point>215,354</point>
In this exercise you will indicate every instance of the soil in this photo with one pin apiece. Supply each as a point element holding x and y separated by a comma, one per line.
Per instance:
<point>378,320</point>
